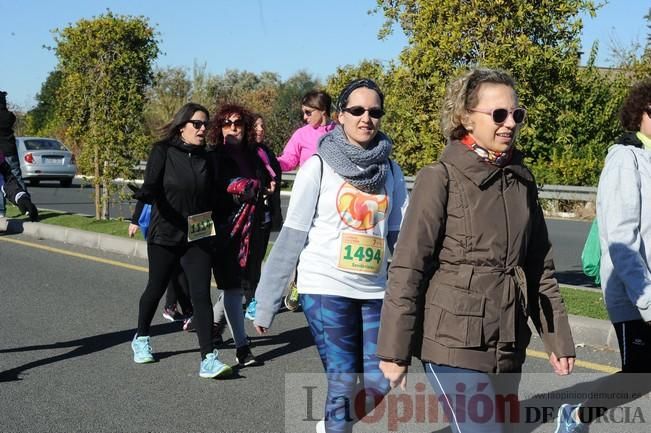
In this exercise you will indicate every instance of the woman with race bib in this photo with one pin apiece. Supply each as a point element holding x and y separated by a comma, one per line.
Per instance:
<point>343,219</point>
<point>180,181</point>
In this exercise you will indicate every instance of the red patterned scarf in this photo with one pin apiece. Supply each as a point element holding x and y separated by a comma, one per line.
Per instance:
<point>499,159</point>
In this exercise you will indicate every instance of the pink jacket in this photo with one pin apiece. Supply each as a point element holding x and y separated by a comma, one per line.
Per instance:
<point>302,145</point>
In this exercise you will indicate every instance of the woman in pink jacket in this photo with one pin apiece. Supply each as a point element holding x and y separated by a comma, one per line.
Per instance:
<point>316,114</point>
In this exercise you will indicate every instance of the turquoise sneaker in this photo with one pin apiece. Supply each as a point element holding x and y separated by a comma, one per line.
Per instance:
<point>212,367</point>
<point>250,310</point>
<point>566,423</point>
<point>141,350</point>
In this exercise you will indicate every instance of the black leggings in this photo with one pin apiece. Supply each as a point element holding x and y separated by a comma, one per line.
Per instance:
<point>195,260</point>
<point>178,292</point>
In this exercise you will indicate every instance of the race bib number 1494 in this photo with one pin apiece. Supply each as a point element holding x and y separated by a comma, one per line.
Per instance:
<point>360,253</point>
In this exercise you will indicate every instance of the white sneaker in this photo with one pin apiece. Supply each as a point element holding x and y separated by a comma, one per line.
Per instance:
<point>320,427</point>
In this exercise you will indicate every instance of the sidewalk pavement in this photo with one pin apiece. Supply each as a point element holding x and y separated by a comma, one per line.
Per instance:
<point>588,331</point>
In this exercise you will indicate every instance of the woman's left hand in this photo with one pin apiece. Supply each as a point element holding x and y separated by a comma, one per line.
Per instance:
<point>396,374</point>
<point>261,330</point>
<point>562,366</point>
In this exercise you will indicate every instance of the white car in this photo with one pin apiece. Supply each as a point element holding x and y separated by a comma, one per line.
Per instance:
<point>45,159</point>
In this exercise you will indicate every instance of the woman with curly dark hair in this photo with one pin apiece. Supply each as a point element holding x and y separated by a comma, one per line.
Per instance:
<point>246,211</point>
<point>624,219</point>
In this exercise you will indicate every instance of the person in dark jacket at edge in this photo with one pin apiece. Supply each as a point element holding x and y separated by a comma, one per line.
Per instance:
<point>473,262</point>
<point>12,190</point>
<point>180,183</point>
<point>8,146</point>
<point>273,218</point>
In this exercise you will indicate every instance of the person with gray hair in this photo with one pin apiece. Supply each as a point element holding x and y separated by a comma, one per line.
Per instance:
<point>8,146</point>
<point>474,262</point>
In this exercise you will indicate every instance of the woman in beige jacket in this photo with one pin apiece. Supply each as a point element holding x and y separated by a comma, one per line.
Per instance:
<point>473,261</point>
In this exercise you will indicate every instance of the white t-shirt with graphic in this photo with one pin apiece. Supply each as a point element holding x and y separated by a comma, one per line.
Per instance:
<point>346,251</point>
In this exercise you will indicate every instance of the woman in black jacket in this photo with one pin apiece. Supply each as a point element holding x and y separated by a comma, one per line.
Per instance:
<point>179,183</point>
<point>272,219</point>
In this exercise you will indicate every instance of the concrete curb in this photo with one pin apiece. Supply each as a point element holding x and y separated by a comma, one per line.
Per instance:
<point>588,331</point>
<point>593,332</point>
<point>82,238</point>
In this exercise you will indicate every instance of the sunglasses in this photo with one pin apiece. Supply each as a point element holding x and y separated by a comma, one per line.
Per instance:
<point>357,111</point>
<point>197,124</point>
<point>228,122</point>
<point>500,115</point>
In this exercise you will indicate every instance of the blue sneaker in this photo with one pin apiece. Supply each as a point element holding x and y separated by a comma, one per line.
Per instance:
<point>565,423</point>
<point>212,367</point>
<point>141,350</point>
<point>250,310</point>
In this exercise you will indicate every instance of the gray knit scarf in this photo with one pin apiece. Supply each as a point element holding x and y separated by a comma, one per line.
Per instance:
<point>365,169</point>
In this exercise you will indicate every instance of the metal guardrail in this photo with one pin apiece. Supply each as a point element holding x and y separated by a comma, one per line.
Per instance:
<point>552,192</point>
<point>567,192</point>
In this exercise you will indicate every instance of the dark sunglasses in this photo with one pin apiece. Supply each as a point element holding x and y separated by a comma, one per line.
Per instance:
<point>197,124</point>
<point>228,122</point>
<point>500,115</point>
<point>357,111</point>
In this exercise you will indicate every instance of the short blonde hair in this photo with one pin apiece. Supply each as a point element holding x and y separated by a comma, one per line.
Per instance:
<point>462,95</point>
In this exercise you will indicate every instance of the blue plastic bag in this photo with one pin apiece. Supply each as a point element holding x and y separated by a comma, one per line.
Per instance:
<point>143,221</point>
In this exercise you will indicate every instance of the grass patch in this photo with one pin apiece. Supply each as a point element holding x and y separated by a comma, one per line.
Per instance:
<point>584,303</point>
<point>115,227</point>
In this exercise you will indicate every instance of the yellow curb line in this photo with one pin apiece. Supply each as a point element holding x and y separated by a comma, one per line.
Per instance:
<point>578,363</point>
<point>80,256</point>
<point>533,353</point>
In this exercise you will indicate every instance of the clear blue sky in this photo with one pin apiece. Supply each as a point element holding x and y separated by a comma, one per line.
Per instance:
<point>282,36</point>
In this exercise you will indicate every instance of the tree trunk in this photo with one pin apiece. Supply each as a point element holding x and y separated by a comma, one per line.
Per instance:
<point>98,196</point>
<point>106,199</point>
<point>106,191</point>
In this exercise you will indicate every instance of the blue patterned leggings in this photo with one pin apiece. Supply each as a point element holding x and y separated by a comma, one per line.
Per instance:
<point>345,331</point>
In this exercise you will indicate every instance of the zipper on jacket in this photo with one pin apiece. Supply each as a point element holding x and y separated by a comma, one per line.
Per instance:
<point>194,177</point>
<point>506,217</point>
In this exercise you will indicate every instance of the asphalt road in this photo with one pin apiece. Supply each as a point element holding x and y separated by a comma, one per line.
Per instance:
<point>567,236</point>
<point>68,314</point>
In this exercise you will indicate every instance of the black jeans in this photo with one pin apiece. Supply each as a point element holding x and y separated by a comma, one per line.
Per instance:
<point>195,260</point>
<point>634,339</point>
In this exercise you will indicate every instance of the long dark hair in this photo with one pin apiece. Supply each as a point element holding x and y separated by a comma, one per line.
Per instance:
<point>319,100</point>
<point>173,129</point>
<point>216,136</point>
